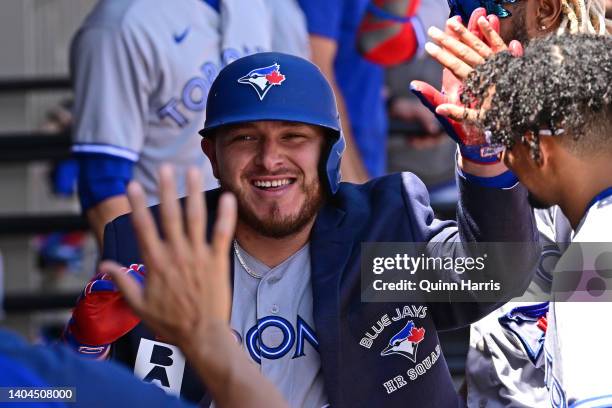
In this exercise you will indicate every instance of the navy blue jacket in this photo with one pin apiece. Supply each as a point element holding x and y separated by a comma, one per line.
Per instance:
<point>353,333</point>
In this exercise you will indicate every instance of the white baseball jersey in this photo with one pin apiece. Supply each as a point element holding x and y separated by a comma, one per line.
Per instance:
<point>503,367</point>
<point>578,348</point>
<point>142,70</point>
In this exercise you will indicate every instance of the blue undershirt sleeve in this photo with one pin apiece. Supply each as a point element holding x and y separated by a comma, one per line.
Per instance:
<point>102,176</point>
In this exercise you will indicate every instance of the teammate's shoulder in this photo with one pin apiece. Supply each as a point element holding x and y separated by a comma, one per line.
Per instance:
<point>44,363</point>
<point>591,227</point>
<point>10,341</point>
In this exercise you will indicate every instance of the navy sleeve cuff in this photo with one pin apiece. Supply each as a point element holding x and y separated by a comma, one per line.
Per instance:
<point>506,180</point>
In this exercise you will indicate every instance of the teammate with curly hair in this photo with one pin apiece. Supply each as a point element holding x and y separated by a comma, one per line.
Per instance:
<point>500,364</point>
<point>569,94</point>
<point>551,109</point>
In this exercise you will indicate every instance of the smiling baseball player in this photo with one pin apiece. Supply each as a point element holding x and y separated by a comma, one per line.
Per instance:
<point>297,307</point>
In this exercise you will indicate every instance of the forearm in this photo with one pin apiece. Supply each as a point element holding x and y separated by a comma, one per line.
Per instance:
<point>492,214</point>
<point>104,212</point>
<point>497,227</point>
<point>231,378</point>
<point>502,222</point>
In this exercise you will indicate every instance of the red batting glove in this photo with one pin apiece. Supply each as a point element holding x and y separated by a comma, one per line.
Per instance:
<point>101,315</point>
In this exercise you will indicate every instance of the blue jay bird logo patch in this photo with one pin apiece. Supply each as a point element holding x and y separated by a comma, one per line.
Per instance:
<point>262,79</point>
<point>528,324</point>
<point>405,342</point>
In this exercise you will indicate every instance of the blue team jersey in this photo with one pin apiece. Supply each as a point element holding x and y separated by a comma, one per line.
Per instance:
<point>360,81</point>
<point>95,383</point>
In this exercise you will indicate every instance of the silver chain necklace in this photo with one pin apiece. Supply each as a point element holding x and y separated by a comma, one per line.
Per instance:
<point>243,264</point>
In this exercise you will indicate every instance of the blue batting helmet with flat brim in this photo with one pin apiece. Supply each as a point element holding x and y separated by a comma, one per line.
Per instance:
<point>276,86</point>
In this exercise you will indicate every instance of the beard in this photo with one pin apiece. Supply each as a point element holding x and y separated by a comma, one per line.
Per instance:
<point>273,224</point>
<point>536,203</point>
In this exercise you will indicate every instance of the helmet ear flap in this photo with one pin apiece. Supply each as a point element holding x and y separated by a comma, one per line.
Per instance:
<point>334,158</point>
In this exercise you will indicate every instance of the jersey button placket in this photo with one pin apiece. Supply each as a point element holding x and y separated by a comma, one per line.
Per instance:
<point>273,336</point>
<point>261,313</point>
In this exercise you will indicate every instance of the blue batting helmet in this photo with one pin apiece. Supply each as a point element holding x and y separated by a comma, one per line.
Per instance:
<point>275,86</point>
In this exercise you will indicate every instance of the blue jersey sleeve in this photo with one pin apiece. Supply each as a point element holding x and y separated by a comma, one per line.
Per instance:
<point>95,383</point>
<point>323,17</point>
<point>102,176</point>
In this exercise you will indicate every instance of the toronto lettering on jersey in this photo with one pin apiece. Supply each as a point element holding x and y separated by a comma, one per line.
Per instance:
<point>193,96</point>
<point>298,337</point>
<point>195,90</point>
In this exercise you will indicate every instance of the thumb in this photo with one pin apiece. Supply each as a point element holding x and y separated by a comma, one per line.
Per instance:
<point>427,94</point>
<point>128,286</point>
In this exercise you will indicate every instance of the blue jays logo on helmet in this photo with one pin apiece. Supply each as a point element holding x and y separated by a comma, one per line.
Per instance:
<point>262,79</point>
<point>405,342</point>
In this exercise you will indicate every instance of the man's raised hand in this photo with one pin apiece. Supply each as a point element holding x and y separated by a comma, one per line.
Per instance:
<point>187,280</point>
<point>460,49</point>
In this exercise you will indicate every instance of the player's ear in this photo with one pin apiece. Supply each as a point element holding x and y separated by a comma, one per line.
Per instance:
<point>548,15</point>
<point>548,147</point>
<point>208,147</point>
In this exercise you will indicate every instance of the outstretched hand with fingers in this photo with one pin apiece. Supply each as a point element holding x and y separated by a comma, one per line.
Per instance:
<point>460,49</point>
<point>464,49</point>
<point>186,298</point>
<point>187,282</point>
<point>468,138</point>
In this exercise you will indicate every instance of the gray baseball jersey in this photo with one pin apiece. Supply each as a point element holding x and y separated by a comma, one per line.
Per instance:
<point>273,318</point>
<point>504,362</point>
<point>289,30</point>
<point>142,70</point>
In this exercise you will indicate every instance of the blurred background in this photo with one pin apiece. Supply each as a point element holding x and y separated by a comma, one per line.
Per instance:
<point>47,255</point>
